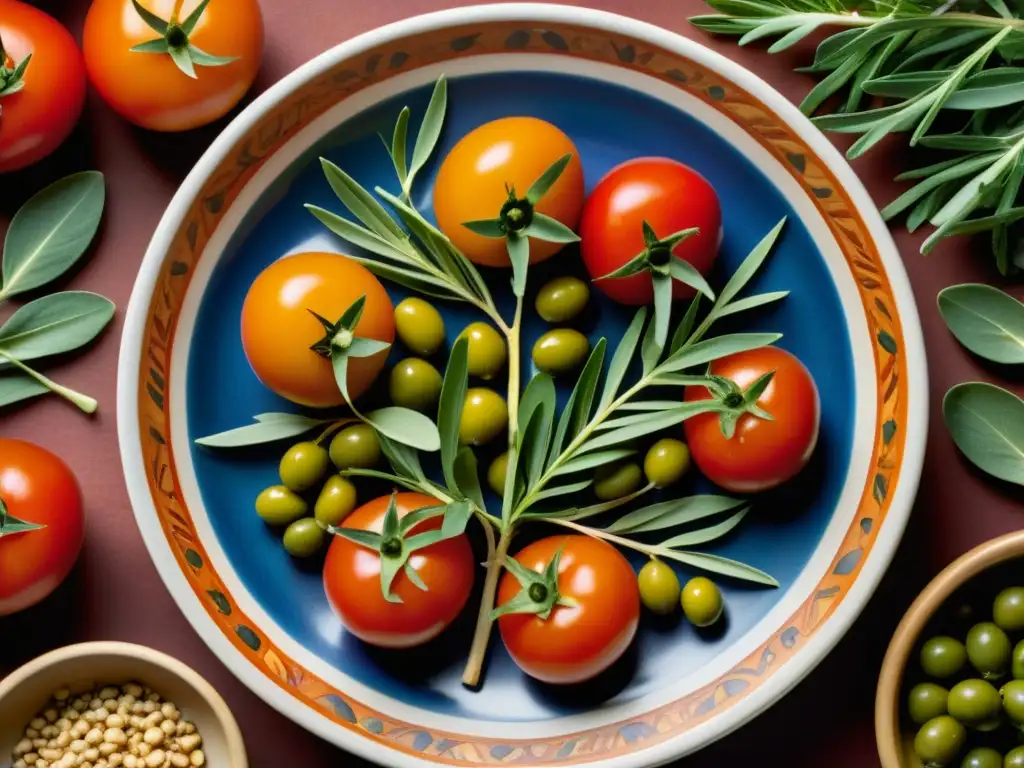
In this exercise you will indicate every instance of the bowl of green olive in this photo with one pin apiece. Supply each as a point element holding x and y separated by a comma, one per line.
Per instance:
<point>951,690</point>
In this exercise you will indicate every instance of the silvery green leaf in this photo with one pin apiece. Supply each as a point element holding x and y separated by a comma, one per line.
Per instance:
<point>430,130</point>
<point>546,180</point>
<point>576,413</point>
<point>712,349</point>
<point>51,232</point>
<point>536,418</point>
<point>905,85</point>
<point>718,564</point>
<point>704,535</point>
<point>563,490</point>
<point>968,197</point>
<point>652,423</point>
<point>551,230</point>
<point>748,268</point>
<point>832,83</point>
<point>752,302</point>
<point>857,122</point>
<point>54,324</point>
<point>657,332</point>
<point>519,255</point>
<point>592,461</point>
<point>966,142</point>
<point>987,425</point>
<point>449,409</point>
<point>984,223</point>
<point>16,386</point>
<point>685,327</point>
<point>420,282</point>
<point>986,320</point>
<point>959,170</point>
<point>456,518</point>
<point>269,428</point>
<point>944,42</point>
<point>362,204</point>
<point>361,347</point>
<point>621,359</point>
<point>405,426</point>
<point>652,405</point>
<point>362,237</point>
<point>989,89</point>
<point>870,69</point>
<point>467,476</point>
<point>403,459</point>
<point>685,273</point>
<point>795,35</point>
<point>399,142</point>
<point>926,208</point>
<point>672,513</point>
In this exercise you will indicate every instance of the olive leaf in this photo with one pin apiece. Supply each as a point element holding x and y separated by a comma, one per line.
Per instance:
<point>621,358</point>
<point>51,232</point>
<point>429,133</point>
<point>705,535</point>
<point>987,425</point>
<point>986,320</point>
<point>54,324</point>
<point>269,428</point>
<point>675,512</point>
<point>580,404</point>
<point>449,409</point>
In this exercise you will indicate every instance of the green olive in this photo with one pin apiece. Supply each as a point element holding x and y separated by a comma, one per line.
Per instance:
<point>982,757</point>
<point>1013,700</point>
<point>496,474</point>
<point>304,538</point>
<point>486,352</point>
<point>910,758</point>
<point>975,703</point>
<point>303,465</point>
<point>415,384</point>
<point>484,416</point>
<point>702,601</point>
<point>943,657</point>
<point>1017,669</point>
<point>336,501</point>
<point>925,701</point>
<point>939,741</point>
<point>419,326</point>
<point>666,462</point>
<point>659,587</point>
<point>279,505</point>
<point>355,446</point>
<point>560,351</point>
<point>1008,609</point>
<point>1014,758</point>
<point>989,650</point>
<point>561,299</point>
<point>613,481</point>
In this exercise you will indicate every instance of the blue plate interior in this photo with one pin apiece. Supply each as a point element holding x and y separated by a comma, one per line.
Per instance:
<point>609,124</point>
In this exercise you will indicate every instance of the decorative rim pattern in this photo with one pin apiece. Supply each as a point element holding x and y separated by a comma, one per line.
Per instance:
<point>266,132</point>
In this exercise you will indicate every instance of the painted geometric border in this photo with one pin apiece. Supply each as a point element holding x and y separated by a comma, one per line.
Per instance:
<point>271,132</point>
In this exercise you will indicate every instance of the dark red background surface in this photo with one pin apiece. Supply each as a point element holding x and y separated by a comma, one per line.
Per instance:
<point>115,592</point>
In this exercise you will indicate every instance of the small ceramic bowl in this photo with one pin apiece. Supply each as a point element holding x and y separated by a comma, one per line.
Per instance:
<point>889,695</point>
<point>24,692</point>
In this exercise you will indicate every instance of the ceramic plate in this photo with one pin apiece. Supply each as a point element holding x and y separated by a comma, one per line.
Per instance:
<point>620,89</point>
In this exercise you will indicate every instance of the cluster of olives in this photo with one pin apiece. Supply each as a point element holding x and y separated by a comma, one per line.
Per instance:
<point>303,470</point>
<point>661,593</point>
<point>972,707</point>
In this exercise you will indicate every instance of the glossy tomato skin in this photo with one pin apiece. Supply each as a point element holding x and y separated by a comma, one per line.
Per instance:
<point>761,454</point>
<point>148,89</point>
<point>668,195</point>
<point>511,151</point>
<point>278,329</point>
<point>38,118</point>
<point>574,643</point>
<point>37,487</point>
<point>352,580</point>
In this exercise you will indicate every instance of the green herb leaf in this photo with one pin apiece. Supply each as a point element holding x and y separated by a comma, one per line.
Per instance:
<point>399,142</point>
<point>536,417</point>
<point>750,265</point>
<point>540,187</point>
<point>403,459</point>
<point>16,386</point>
<point>621,359</point>
<point>704,535</point>
<point>430,131</point>
<point>269,428</point>
<point>685,273</point>
<point>987,424</point>
<point>417,516</point>
<point>519,254</point>
<point>406,426</point>
<point>562,490</point>
<point>956,171</point>
<point>467,477</point>
<point>657,333</point>
<point>752,302</point>
<point>362,204</point>
<point>363,538</point>
<point>492,228</point>
<point>449,409</point>
<point>650,423</point>
<point>685,327</point>
<point>717,564</point>
<point>712,349</point>
<point>984,319</point>
<point>591,461</point>
<point>553,231</point>
<point>51,232</point>
<point>577,409</point>
<point>55,324</point>
<point>362,237</point>
<point>361,347</point>
<point>668,514</point>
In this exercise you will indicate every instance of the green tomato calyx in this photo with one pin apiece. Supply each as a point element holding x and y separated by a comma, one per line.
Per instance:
<point>9,524</point>
<point>736,402</point>
<point>12,76</point>
<point>174,40</point>
<point>516,214</point>
<point>539,594</point>
<point>396,542</point>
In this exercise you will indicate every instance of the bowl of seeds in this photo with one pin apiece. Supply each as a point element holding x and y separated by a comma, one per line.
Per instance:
<point>114,705</point>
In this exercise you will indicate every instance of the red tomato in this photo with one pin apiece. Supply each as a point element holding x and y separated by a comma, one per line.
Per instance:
<point>37,118</point>
<point>149,89</point>
<point>670,197</point>
<point>574,643</point>
<point>761,454</point>
<point>36,487</point>
<point>278,329</point>
<point>352,580</point>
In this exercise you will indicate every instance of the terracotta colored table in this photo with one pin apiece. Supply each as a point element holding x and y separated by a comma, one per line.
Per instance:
<point>115,592</point>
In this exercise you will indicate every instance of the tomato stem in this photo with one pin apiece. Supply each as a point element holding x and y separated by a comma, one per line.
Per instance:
<point>482,633</point>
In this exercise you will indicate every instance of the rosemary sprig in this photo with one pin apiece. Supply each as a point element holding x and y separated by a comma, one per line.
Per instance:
<point>935,67</point>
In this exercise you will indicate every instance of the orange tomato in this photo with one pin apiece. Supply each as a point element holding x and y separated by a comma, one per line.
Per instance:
<point>278,329</point>
<point>574,643</point>
<point>148,88</point>
<point>512,151</point>
<point>761,454</point>
<point>37,487</point>
<point>352,580</point>
<point>38,117</point>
